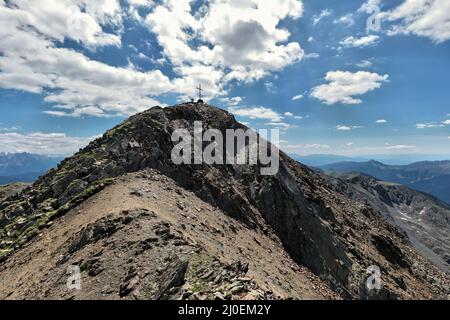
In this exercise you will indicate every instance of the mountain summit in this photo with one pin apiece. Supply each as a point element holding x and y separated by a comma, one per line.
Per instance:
<point>139,226</point>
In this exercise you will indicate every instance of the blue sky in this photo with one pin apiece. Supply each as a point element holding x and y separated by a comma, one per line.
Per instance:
<point>69,70</point>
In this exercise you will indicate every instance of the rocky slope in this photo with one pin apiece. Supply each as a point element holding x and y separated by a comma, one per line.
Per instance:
<point>335,237</point>
<point>9,190</point>
<point>145,237</point>
<point>425,219</point>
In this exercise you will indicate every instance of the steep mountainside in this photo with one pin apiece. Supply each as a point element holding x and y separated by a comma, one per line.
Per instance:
<point>333,236</point>
<point>432,177</point>
<point>425,219</point>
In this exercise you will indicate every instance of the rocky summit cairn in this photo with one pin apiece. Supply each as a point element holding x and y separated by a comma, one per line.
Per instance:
<point>294,214</point>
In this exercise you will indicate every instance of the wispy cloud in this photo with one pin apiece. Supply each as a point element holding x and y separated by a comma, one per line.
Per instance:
<point>291,115</point>
<point>346,20</point>
<point>299,147</point>
<point>400,147</point>
<point>8,129</point>
<point>323,14</point>
<point>313,55</point>
<point>360,42</point>
<point>347,128</point>
<point>281,125</point>
<point>429,125</point>
<point>364,64</point>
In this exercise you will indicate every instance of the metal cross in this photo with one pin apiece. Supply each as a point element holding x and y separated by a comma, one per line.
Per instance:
<point>199,88</point>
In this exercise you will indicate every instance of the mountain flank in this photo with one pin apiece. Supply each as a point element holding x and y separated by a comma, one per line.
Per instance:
<point>233,216</point>
<point>425,219</point>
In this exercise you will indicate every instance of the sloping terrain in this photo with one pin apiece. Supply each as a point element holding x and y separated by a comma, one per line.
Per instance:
<point>333,236</point>
<point>144,237</point>
<point>425,219</point>
<point>9,190</point>
<point>432,177</point>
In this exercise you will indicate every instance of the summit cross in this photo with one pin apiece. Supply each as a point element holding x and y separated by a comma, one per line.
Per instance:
<point>199,88</point>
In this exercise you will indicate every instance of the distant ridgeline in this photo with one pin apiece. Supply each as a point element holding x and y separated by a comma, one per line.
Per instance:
<point>432,177</point>
<point>24,167</point>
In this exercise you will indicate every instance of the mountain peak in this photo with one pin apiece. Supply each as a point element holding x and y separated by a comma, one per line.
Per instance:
<point>375,162</point>
<point>334,237</point>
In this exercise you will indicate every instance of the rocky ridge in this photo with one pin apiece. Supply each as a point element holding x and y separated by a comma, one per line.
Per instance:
<point>144,237</point>
<point>333,236</point>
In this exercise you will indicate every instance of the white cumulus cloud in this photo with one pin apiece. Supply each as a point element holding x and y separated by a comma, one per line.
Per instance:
<point>427,18</point>
<point>256,113</point>
<point>31,59</point>
<point>42,143</point>
<point>344,85</point>
<point>242,39</point>
<point>222,41</point>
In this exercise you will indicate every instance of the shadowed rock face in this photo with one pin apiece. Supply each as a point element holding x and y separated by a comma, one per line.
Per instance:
<point>335,237</point>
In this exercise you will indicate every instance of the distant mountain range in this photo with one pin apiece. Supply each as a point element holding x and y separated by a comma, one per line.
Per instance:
<point>25,177</point>
<point>432,177</point>
<point>24,167</point>
<point>317,160</point>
